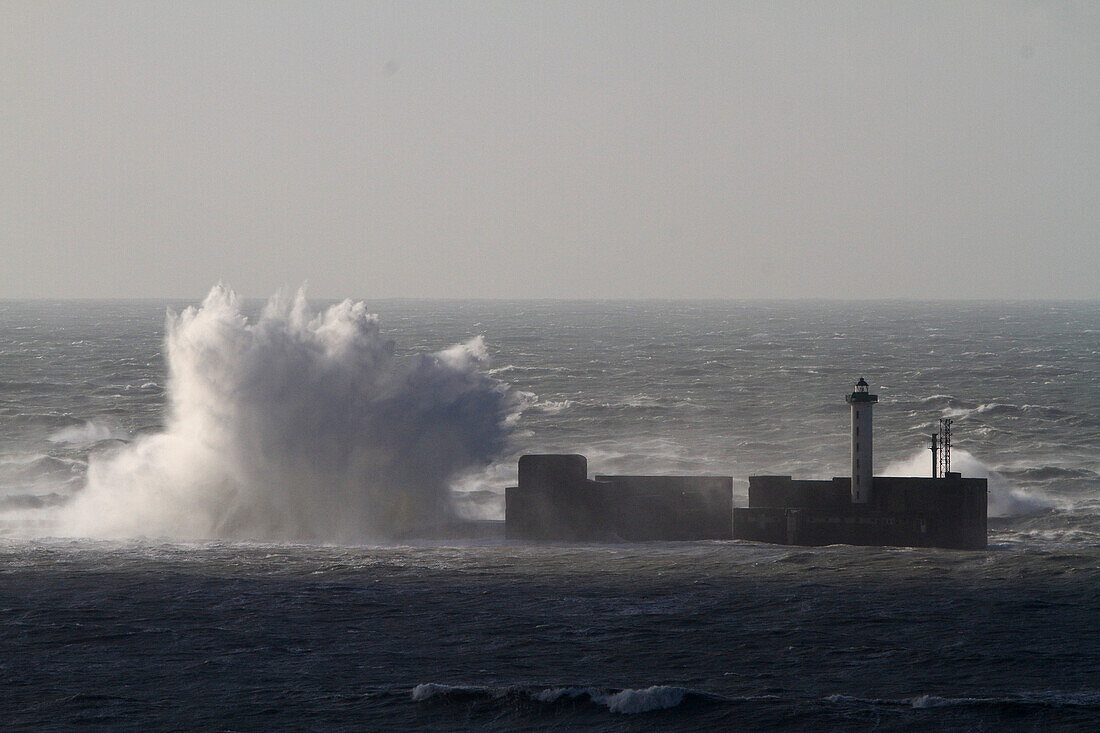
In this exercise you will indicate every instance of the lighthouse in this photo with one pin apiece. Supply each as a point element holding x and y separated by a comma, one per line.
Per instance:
<point>862,447</point>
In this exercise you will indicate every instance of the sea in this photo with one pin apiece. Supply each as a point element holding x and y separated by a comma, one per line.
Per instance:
<point>238,515</point>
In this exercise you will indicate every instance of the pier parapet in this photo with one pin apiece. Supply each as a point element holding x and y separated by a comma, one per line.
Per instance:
<point>555,500</point>
<point>909,512</point>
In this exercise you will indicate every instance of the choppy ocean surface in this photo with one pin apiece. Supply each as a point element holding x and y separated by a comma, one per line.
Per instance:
<point>220,539</point>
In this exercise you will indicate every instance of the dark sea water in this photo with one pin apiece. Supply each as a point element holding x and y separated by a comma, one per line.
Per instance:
<point>182,552</point>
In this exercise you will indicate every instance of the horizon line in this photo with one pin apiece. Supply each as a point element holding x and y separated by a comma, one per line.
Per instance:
<point>549,299</point>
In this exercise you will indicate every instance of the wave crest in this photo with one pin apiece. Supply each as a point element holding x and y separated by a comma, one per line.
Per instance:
<point>624,701</point>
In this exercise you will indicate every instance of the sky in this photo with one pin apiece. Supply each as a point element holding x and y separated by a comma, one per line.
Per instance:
<point>632,149</point>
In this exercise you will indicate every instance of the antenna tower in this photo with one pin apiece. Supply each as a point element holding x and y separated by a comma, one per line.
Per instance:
<point>945,446</point>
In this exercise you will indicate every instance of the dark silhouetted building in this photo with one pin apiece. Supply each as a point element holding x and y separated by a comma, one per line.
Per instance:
<point>555,500</point>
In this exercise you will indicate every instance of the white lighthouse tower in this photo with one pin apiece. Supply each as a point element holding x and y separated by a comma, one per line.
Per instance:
<point>863,470</point>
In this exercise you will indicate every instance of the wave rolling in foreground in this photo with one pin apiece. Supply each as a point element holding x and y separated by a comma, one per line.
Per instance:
<point>298,426</point>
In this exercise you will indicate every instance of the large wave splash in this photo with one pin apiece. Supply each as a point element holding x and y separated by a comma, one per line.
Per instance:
<point>299,426</point>
<point>1005,500</point>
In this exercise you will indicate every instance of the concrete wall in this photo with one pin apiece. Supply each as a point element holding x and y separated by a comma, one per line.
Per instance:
<point>783,491</point>
<point>556,501</point>
<point>669,507</point>
<point>913,512</point>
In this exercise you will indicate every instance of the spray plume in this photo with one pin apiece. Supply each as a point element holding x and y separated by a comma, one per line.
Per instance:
<point>299,426</point>
<point>1005,500</point>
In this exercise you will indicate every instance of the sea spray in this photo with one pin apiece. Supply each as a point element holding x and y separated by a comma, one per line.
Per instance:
<point>1005,500</point>
<point>299,426</point>
<point>87,434</point>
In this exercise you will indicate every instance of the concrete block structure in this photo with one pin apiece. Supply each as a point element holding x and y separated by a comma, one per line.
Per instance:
<point>945,512</point>
<point>555,500</point>
<point>865,509</point>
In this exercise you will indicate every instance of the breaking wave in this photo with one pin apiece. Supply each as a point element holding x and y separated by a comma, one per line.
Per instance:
<point>624,701</point>
<point>87,433</point>
<point>298,426</point>
<point>668,697</point>
<point>1005,499</point>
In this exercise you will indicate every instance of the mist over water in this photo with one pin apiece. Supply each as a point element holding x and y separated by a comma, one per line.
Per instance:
<point>297,426</point>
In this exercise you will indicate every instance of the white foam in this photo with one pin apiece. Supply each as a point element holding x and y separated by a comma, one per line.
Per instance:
<point>427,691</point>
<point>89,432</point>
<point>552,407</point>
<point>923,702</point>
<point>657,697</point>
<point>626,702</point>
<point>299,426</point>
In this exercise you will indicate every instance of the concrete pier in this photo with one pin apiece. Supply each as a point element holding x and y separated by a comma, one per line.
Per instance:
<point>555,500</point>
<point>945,512</point>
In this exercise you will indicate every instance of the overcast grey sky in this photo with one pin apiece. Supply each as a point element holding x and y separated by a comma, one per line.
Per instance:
<point>588,149</point>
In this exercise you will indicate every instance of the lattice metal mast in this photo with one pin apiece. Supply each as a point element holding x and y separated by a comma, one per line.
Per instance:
<point>945,446</point>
